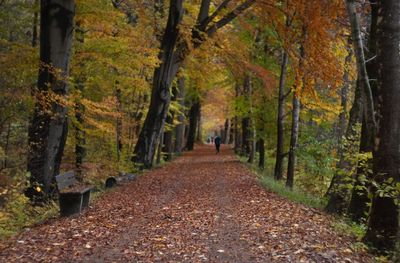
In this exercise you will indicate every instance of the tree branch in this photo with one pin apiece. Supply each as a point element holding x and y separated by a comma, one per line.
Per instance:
<point>210,18</point>
<point>204,10</point>
<point>229,17</point>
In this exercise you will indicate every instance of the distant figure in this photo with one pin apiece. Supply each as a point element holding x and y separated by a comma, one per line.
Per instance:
<point>217,141</point>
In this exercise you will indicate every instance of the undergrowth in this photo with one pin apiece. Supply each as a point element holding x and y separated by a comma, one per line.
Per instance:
<point>341,225</point>
<point>19,214</point>
<point>278,187</point>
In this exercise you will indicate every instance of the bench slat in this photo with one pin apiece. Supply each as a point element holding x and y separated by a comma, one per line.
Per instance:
<point>65,180</point>
<point>78,191</point>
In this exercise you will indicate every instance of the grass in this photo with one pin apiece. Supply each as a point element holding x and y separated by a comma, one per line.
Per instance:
<point>342,225</point>
<point>296,195</point>
<point>20,214</point>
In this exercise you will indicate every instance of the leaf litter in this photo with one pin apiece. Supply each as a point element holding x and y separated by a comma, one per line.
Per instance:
<point>201,207</point>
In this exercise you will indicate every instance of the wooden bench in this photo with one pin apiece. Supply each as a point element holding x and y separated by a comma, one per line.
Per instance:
<point>120,179</point>
<point>73,197</point>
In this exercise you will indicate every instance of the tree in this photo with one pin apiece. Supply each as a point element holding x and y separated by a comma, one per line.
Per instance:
<point>160,97</point>
<point>172,53</point>
<point>48,127</point>
<point>293,140</point>
<point>294,136</point>
<point>253,139</point>
<point>168,135</point>
<point>358,207</point>
<point>338,191</point>
<point>245,151</point>
<point>180,128</point>
<point>383,224</point>
<point>261,151</point>
<point>238,141</point>
<point>280,155</point>
<point>193,123</point>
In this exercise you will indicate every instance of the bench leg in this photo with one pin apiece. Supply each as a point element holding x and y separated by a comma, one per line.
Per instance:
<point>70,204</point>
<point>85,199</point>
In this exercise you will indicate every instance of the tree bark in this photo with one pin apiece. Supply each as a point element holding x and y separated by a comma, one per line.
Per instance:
<point>80,135</point>
<point>294,136</point>
<point>35,23</point>
<point>280,155</point>
<point>358,207</point>
<point>168,136</point>
<point>118,123</point>
<point>160,97</point>
<point>237,145</point>
<point>48,131</point>
<point>193,120</point>
<point>231,131</point>
<point>383,224</point>
<point>6,147</point>
<point>246,121</point>
<point>168,140</point>
<point>227,131</point>
<point>172,54</point>
<point>199,132</point>
<point>293,140</point>
<point>261,151</point>
<point>338,193</point>
<point>159,148</point>
<point>369,111</point>
<point>180,128</point>
<point>252,127</point>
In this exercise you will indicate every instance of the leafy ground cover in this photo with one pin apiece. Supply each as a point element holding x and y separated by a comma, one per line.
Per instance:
<point>201,207</point>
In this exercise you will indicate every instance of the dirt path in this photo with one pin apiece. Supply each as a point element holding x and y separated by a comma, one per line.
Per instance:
<point>201,207</point>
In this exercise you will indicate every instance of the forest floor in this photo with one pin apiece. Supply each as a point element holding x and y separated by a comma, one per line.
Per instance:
<point>201,207</point>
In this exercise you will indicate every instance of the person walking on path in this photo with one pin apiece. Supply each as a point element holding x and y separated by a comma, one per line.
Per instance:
<point>217,141</point>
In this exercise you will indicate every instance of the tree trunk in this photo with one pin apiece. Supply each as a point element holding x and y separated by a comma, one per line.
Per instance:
<point>186,136</point>
<point>231,131</point>
<point>344,91</point>
<point>180,128</point>
<point>280,155</point>
<point>369,111</point>
<point>261,151</point>
<point>253,134</point>
<point>160,97</point>
<point>199,132</point>
<point>359,202</point>
<point>48,131</point>
<point>193,120</point>
<point>294,136</point>
<point>168,135</point>
<point>35,23</point>
<point>246,121</point>
<point>383,224</point>
<point>227,131</point>
<point>237,145</point>
<point>293,140</point>
<point>245,137</point>
<point>119,123</point>
<point>80,135</point>
<point>159,148</point>
<point>173,52</point>
<point>168,138</point>
<point>358,207</point>
<point>338,192</point>
<point>6,147</point>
